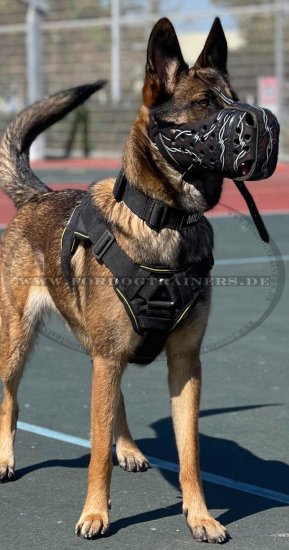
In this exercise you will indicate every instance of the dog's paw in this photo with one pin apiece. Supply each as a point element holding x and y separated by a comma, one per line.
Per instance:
<point>91,526</point>
<point>6,472</point>
<point>132,460</point>
<point>207,529</point>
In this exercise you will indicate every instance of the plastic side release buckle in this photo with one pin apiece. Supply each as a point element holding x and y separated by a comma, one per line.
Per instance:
<point>103,244</point>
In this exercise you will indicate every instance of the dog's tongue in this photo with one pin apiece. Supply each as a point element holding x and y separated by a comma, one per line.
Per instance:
<point>245,167</point>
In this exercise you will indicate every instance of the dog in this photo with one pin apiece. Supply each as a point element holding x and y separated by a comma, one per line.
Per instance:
<point>31,248</point>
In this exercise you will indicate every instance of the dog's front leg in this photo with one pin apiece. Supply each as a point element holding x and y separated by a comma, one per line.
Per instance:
<point>185,386</point>
<point>94,519</point>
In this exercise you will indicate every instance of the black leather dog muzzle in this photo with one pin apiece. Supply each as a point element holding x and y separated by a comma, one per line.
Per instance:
<point>239,142</point>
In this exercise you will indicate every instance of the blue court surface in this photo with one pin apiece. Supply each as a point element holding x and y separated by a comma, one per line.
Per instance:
<point>243,420</point>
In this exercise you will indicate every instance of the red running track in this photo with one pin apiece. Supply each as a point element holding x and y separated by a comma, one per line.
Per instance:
<point>271,196</point>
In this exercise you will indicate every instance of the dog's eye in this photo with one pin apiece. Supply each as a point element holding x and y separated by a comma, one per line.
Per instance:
<point>204,102</point>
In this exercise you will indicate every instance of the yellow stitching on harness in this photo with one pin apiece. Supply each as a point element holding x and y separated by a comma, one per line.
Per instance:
<point>81,234</point>
<point>158,270</point>
<point>185,311</point>
<point>128,305</point>
<point>62,236</point>
<point>68,223</point>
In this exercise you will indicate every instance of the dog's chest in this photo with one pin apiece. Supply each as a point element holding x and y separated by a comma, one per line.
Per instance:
<point>158,249</point>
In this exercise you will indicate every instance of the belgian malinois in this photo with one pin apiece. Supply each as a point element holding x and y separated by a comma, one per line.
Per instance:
<point>31,247</point>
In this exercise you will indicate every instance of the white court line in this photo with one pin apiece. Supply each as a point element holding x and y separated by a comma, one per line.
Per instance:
<point>252,260</point>
<point>222,215</point>
<point>164,465</point>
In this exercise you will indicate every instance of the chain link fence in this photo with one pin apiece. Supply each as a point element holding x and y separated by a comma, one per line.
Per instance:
<point>92,39</point>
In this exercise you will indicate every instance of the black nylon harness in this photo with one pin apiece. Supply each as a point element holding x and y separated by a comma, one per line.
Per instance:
<point>156,299</point>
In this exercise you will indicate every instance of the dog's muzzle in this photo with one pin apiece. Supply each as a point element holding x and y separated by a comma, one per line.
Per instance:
<point>240,142</point>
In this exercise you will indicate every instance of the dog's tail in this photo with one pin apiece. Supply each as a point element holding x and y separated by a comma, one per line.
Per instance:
<point>16,176</point>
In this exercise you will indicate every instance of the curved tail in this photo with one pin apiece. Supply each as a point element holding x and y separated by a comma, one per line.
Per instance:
<point>16,177</point>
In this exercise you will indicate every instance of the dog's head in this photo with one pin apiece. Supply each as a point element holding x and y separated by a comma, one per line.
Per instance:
<point>187,112</point>
<point>182,95</point>
<point>177,92</point>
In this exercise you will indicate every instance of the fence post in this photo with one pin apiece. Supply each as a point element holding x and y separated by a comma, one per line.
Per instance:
<point>279,59</point>
<point>115,51</point>
<point>36,10</point>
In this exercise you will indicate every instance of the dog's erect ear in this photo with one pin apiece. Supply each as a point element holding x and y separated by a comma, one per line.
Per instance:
<point>164,62</point>
<point>215,50</point>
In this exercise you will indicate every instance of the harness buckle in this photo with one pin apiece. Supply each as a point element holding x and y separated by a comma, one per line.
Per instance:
<point>157,216</point>
<point>103,244</point>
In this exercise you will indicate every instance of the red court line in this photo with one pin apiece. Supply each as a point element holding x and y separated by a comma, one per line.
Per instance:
<point>75,163</point>
<point>271,196</point>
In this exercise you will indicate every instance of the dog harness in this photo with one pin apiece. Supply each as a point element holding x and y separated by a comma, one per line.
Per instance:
<point>156,299</point>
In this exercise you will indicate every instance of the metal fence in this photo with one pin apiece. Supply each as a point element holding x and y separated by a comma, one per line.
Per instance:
<point>91,39</point>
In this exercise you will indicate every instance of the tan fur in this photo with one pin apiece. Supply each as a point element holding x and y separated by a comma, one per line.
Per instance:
<point>172,69</point>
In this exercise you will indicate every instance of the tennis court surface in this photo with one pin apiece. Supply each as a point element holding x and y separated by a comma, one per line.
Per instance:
<point>244,409</point>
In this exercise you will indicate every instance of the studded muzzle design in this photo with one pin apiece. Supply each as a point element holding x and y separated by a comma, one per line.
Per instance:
<point>240,142</point>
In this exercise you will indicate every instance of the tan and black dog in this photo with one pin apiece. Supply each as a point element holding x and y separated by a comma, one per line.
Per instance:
<point>31,249</point>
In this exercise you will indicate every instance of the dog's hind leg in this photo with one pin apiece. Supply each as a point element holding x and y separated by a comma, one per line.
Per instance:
<point>128,454</point>
<point>15,339</point>
<point>20,309</point>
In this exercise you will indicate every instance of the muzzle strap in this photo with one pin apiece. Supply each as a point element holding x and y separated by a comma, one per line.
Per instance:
<point>253,210</point>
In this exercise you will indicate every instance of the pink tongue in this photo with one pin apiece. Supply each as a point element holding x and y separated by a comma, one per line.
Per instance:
<point>245,168</point>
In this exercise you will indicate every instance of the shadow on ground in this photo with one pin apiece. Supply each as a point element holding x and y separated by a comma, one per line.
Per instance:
<point>219,456</point>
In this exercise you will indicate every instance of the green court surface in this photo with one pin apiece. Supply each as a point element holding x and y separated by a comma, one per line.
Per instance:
<point>243,421</point>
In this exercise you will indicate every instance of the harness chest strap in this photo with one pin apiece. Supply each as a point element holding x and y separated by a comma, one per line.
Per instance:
<point>153,317</point>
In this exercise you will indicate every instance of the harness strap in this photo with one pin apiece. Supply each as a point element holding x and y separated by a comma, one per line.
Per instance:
<point>106,249</point>
<point>73,232</point>
<point>156,214</point>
